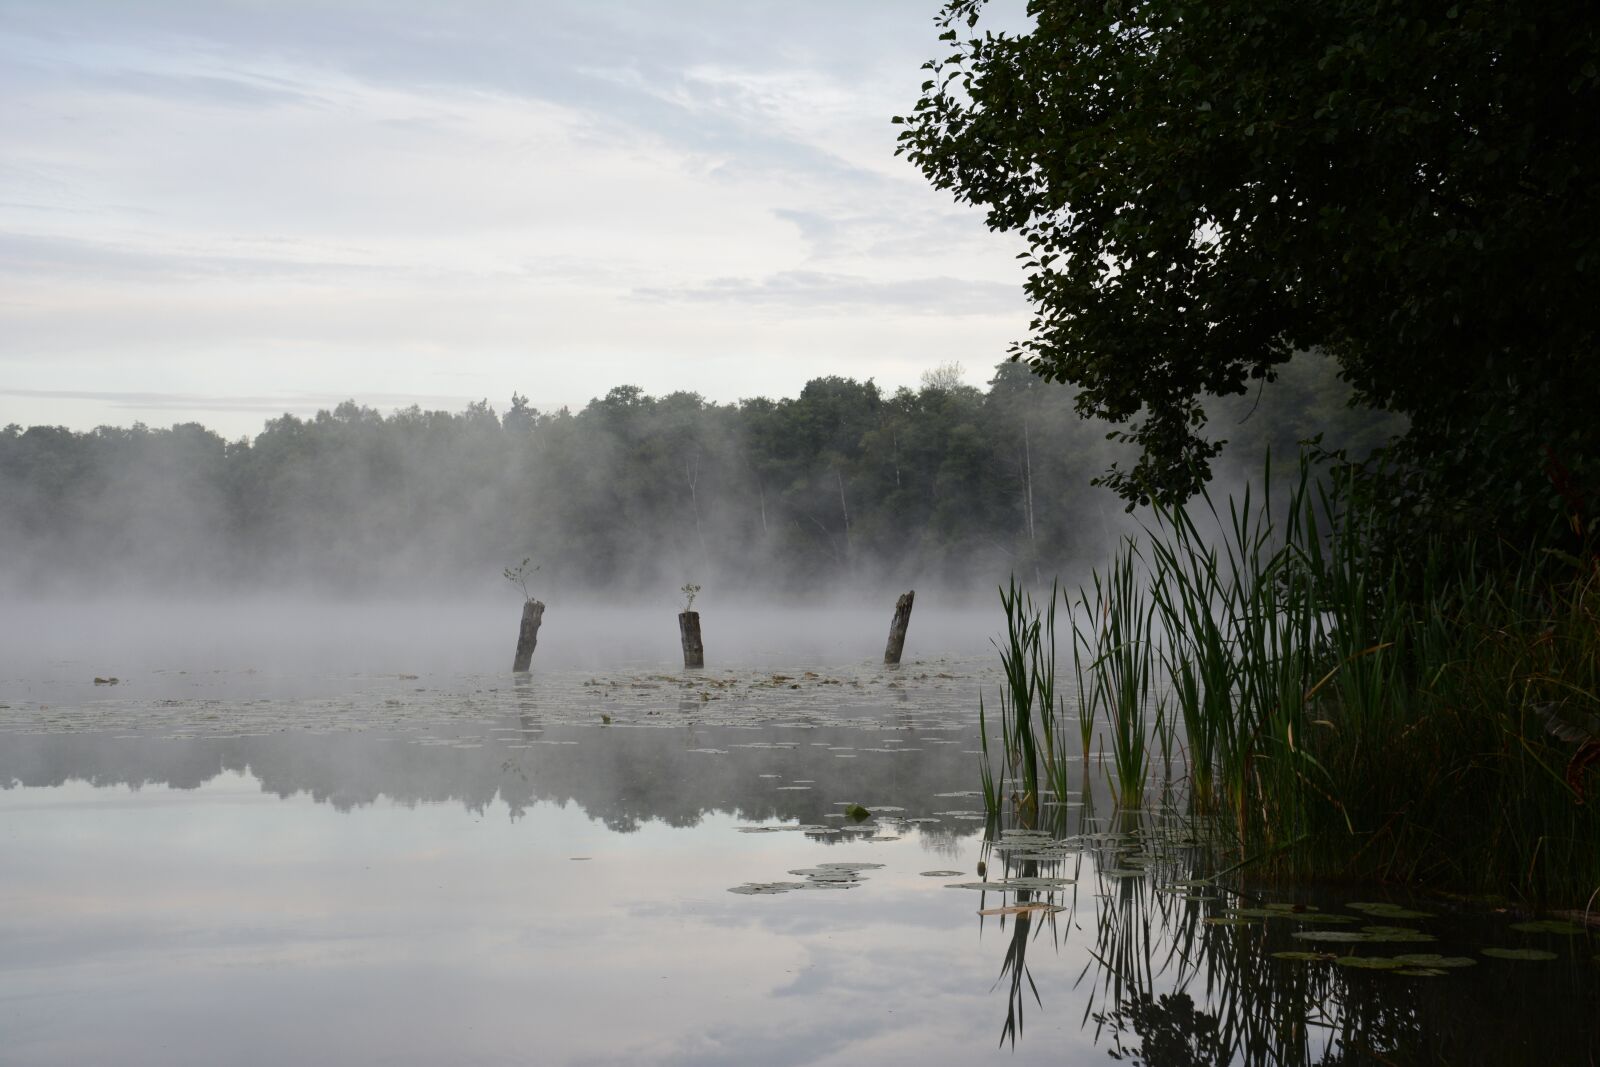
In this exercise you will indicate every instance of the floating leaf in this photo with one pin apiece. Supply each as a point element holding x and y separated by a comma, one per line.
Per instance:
<point>850,866</point>
<point>1433,959</point>
<point>1369,963</point>
<point>766,888</point>
<point>1309,956</point>
<point>1421,972</point>
<point>1548,926</point>
<point>1518,953</point>
<point>857,812</point>
<point>1369,934</point>
<point>942,874</point>
<point>1021,909</point>
<point>1380,910</point>
<point>1284,913</point>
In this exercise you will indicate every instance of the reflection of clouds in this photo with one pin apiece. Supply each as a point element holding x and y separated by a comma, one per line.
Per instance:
<point>227,929</point>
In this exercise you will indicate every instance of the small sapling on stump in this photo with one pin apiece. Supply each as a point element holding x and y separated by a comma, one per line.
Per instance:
<point>694,651</point>
<point>532,616</point>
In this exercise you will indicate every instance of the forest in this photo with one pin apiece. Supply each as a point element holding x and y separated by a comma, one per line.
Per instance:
<point>842,485</point>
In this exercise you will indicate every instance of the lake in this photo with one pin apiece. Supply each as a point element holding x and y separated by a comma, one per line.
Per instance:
<point>296,833</point>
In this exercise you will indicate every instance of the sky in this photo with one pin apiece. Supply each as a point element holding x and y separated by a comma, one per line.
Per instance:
<point>222,211</point>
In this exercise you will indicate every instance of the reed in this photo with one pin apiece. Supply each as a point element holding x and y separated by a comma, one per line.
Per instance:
<point>1346,717</point>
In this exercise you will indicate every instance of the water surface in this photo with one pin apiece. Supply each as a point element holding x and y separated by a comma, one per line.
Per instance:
<point>425,861</point>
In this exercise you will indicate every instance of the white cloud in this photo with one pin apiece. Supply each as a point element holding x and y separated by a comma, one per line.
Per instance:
<point>208,203</point>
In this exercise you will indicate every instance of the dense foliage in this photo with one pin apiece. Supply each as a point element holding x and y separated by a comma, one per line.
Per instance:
<point>1209,186</point>
<point>843,483</point>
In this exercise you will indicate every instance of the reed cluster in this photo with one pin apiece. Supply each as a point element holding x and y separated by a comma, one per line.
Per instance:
<point>1340,713</point>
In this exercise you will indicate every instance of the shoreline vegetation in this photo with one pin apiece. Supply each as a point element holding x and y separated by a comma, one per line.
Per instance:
<point>1330,710</point>
<point>845,483</point>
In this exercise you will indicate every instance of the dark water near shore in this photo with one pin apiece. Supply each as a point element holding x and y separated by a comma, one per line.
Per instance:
<point>219,862</point>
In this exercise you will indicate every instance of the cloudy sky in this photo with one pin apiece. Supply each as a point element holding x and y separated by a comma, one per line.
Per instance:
<point>221,211</point>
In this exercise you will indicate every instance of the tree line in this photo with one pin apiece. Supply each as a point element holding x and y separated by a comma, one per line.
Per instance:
<point>842,485</point>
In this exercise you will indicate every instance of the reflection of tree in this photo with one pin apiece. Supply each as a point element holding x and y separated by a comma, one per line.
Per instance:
<point>621,777</point>
<point>1171,989</point>
<point>1174,1032</point>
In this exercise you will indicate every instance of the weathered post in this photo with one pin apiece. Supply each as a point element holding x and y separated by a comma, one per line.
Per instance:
<point>528,635</point>
<point>897,628</point>
<point>694,652</point>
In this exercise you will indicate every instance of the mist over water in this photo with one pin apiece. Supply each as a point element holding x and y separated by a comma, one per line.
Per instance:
<point>278,639</point>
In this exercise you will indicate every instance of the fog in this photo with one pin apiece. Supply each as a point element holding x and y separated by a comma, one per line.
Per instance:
<point>246,646</point>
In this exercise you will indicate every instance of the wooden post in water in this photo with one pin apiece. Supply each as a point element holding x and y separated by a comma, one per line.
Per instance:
<point>528,635</point>
<point>897,627</point>
<point>694,652</point>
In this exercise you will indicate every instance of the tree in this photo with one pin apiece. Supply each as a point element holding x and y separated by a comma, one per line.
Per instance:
<point>1207,186</point>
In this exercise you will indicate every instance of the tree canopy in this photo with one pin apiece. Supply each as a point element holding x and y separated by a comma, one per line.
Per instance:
<point>1207,186</point>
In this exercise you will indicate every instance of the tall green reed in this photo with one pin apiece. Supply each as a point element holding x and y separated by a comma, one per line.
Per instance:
<point>1345,717</point>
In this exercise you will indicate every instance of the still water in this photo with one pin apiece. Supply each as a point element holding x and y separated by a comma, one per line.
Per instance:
<point>215,861</point>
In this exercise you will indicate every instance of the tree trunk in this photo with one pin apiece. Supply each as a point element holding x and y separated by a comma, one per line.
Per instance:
<point>694,652</point>
<point>528,635</point>
<point>897,628</point>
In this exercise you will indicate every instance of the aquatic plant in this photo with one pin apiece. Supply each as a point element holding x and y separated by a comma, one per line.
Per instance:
<point>1346,718</point>
<point>690,590</point>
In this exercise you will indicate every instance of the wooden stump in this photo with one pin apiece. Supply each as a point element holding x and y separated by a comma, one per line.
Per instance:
<point>528,635</point>
<point>694,652</point>
<point>897,628</point>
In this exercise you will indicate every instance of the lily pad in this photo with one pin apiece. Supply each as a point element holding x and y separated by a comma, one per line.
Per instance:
<point>1548,926</point>
<point>1366,934</point>
<point>1382,910</point>
<point>1284,913</point>
<point>857,812</point>
<point>825,874</point>
<point>851,866</point>
<point>1518,953</point>
<point>942,874</point>
<point>1369,963</point>
<point>1434,960</point>
<point>766,888</point>
<point>1421,972</point>
<point>1023,909</point>
<point>1307,956</point>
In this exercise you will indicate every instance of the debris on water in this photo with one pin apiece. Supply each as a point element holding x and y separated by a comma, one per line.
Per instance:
<point>106,681</point>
